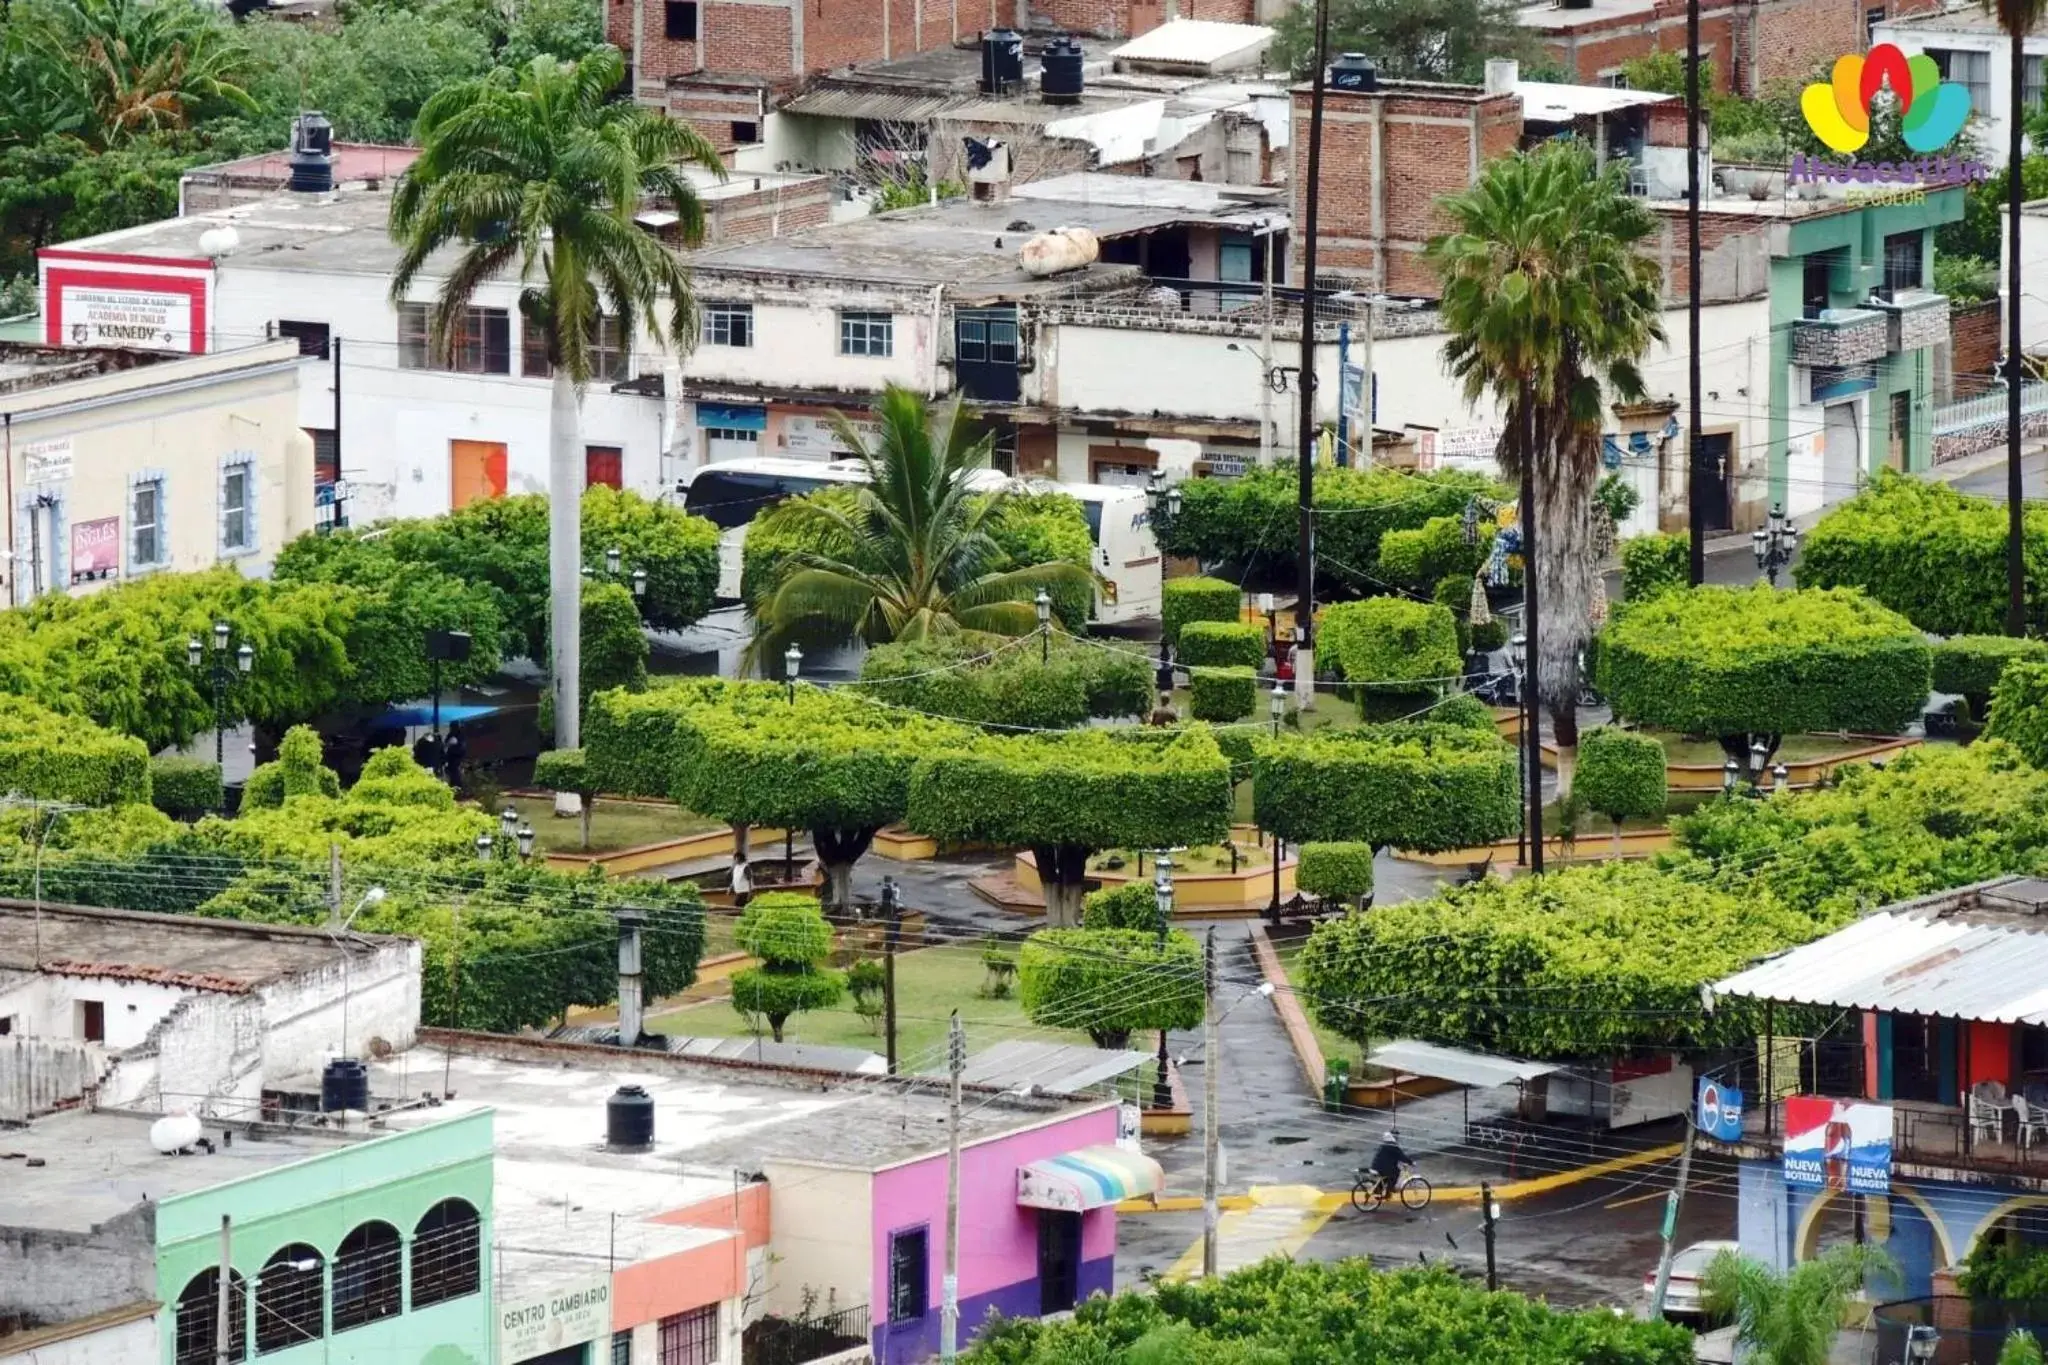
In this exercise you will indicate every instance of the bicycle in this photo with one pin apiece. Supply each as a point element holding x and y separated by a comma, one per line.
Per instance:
<point>1371,1191</point>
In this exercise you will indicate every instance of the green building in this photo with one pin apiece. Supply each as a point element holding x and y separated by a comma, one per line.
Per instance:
<point>1854,322</point>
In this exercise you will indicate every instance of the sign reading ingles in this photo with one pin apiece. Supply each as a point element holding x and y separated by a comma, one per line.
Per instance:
<point>1931,113</point>
<point>1838,1145</point>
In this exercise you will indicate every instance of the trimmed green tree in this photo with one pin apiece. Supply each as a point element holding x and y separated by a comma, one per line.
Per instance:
<point>1746,663</point>
<point>568,770</point>
<point>54,757</point>
<point>1183,600</point>
<point>950,678</point>
<point>1969,666</point>
<point>1416,785</point>
<point>2019,711</point>
<point>1418,560</point>
<point>1134,905</point>
<point>788,932</point>
<point>1067,796</point>
<point>1336,871</point>
<point>296,771</point>
<point>1400,654</point>
<point>1111,983</point>
<point>1222,695</point>
<point>1621,775</point>
<point>1653,564</point>
<point>1220,644</point>
<point>185,787</point>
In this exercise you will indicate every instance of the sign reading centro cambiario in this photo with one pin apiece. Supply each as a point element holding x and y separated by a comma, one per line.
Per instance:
<point>533,1325</point>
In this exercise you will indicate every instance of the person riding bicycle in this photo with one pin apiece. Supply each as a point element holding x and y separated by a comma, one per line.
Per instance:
<point>1388,1160</point>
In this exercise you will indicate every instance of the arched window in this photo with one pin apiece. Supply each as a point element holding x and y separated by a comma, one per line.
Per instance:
<point>289,1299</point>
<point>367,1276</point>
<point>446,1256</point>
<point>198,1308</point>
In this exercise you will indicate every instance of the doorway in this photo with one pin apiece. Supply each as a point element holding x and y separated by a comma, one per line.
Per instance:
<point>604,465</point>
<point>476,470</point>
<point>1059,1261</point>
<point>1841,459</point>
<point>1716,449</point>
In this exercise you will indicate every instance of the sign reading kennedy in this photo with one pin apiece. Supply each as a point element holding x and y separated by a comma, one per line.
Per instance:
<point>1838,1145</point>
<point>147,319</point>
<point>534,1325</point>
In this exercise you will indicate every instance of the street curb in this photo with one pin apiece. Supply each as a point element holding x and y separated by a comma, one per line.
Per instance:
<point>1299,1035</point>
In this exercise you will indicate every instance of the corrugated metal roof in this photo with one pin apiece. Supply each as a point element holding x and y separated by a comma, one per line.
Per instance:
<point>1055,1068</point>
<point>1478,1069</point>
<point>1548,102</point>
<point>841,101</point>
<point>1195,42</point>
<point>1925,959</point>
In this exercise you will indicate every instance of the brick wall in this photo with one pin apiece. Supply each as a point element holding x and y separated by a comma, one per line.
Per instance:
<point>756,37</point>
<point>1734,257</point>
<point>773,211</point>
<point>1124,18</point>
<point>714,109</point>
<point>1974,338</point>
<point>1598,48</point>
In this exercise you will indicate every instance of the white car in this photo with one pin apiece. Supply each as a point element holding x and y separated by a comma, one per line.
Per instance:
<point>1682,1294</point>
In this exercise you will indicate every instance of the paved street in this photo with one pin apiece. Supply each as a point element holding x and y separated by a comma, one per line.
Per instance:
<point>1990,482</point>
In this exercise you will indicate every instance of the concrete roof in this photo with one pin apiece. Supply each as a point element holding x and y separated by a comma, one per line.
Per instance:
<point>1548,102</point>
<point>31,366</point>
<point>99,1165</point>
<point>549,1216</point>
<point>1546,15</point>
<point>1195,197</point>
<point>353,161</point>
<point>1959,19</point>
<point>1196,42</point>
<point>172,950</point>
<point>710,1119</point>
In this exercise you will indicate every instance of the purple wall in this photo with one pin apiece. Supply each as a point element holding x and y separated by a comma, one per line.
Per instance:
<point>999,1240</point>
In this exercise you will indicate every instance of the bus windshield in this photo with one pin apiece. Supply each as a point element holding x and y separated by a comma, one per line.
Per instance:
<point>731,497</point>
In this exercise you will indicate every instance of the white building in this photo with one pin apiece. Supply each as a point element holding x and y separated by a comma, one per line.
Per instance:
<point>1972,51</point>
<point>123,461</point>
<point>167,1012</point>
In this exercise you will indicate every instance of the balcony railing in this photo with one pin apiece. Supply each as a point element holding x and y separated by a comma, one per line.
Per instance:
<point>1928,1134</point>
<point>1841,336</point>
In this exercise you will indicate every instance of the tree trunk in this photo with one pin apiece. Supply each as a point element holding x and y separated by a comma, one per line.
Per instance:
<point>565,560</point>
<point>1568,574</point>
<point>1063,873</point>
<point>838,850</point>
<point>585,798</point>
<point>1114,1041</point>
<point>775,1022</point>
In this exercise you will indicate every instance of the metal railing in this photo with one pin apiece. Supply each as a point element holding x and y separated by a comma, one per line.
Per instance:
<point>799,1340</point>
<point>1966,1332</point>
<point>1987,409</point>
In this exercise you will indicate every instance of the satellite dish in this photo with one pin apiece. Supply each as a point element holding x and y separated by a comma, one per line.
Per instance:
<point>216,242</point>
<point>173,1133</point>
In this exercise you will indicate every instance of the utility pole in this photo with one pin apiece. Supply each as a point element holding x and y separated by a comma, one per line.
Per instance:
<point>1671,1203</point>
<point>892,907</point>
<point>1212,1139</point>
<point>1305,541</point>
<point>2015,371</point>
<point>1489,1214</point>
<point>949,1310</point>
<point>334,349</point>
<point>1532,690</point>
<point>1695,480</point>
<point>1266,356</point>
<point>223,1315</point>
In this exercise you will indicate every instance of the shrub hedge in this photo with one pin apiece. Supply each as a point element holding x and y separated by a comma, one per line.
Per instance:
<point>1221,644</point>
<point>1718,661</point>
<point>1415,785</point>
<point>1969,666</point>
<point>1222,695</point>
<point>1335,871</point>
<point>185,786</point>
<point>1454,595</point>
<point>1654,564</point>
<point>296,771</point>
<point>1110,983</point>
<point>2019,711</point>
<point>1130,906</point>
<point>1621,774</point>
<point>1013,688</point>
<point>1465,710</point>
<point>1196,599</point>
<point>57,757</point>
<point>1398,652</point>
<point>1418,560</point>
<point>564,770</point>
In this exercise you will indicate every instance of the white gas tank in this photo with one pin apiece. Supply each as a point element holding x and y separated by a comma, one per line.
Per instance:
<point>1062,249</point>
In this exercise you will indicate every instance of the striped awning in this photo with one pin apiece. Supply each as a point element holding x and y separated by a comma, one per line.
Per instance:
<point>1087,1179</point>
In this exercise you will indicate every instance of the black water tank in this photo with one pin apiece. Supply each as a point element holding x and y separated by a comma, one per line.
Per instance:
<point>345,1084</point>
<point>629,1119</point>
<point>312,155</point>
<point>1353,71</point>
<point>1060,80</point>
<point>1002,61</point>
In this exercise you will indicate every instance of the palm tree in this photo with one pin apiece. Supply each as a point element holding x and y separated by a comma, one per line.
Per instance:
<point>538,174</point>
<point>108,71</point>
<point>1790,1317</point>
<point>2017,18</point>
<point>917,559</point>
<point>1550,303</point>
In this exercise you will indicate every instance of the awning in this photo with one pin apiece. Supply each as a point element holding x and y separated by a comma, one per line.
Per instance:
<point>1480,1070</point>
<point>1087,1179</point>
<point>1054,1068</point>
<point>422,713</point>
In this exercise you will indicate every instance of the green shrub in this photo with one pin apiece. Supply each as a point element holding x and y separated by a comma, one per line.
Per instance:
<point>1935,556</point>
<point>1196,599</point>
<point>1221,644</point>
<point>296,771</point>
<point>789,934</point>
<point>185,786</point>
<point>55,757</point>
<point>1130,906</point>
<point>1110,983</point>
<point>2019,711</point>
<point>1335,871</point>
<point>1397,651</point>
<point>1484,966</point>
<point>1454,595</point>
<point>1969,666</point>
<point>953,679</point>
<point>1222,695</point>
<point>1654,564</point>
<point>1620,774</point>
<point>563,770</point>
<point>1465,710</point>
<point>1419,559</point>
<point>1721,661</point>
<point>2005,1269</point>
<point>1416,785</point>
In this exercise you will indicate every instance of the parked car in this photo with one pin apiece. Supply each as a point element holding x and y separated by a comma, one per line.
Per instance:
<point>1682,1294</point>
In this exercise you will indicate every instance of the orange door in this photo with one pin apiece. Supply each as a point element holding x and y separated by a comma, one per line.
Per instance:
<point>476,469</point>
<point>603,465</point>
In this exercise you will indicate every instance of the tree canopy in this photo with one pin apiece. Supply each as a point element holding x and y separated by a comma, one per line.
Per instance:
<point>1417,785</point>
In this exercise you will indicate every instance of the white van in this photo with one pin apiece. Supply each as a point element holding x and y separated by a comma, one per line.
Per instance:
<point>731,493</point>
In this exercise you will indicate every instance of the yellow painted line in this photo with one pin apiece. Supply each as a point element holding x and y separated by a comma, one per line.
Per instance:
<point>1659,1194</point>
<point>1269,1203</point>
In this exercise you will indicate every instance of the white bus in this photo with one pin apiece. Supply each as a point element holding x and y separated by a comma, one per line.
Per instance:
<point>731,493</point>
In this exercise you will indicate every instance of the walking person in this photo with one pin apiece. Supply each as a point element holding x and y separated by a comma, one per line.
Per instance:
<point>453,752</point>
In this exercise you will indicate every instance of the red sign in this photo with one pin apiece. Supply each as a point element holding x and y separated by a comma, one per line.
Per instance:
<point>95,550</point>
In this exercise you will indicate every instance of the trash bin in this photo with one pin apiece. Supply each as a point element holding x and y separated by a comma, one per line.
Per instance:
<point>1336,1079</point>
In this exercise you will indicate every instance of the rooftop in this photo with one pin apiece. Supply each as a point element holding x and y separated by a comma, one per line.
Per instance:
<point>1979,952</point>
<point>1200,43</point>
<point>1548,15</point>
<point>97,1165</point>
<point>1956,19</point>
<point>1547,102</point>
<point>353,162</point>
<point>710,1119</point>
<point>173,950</point>
<point>25,365</point>
<point>547,1215</point>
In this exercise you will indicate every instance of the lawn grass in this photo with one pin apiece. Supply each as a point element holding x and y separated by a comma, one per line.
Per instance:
<point>1682,750</point>
<point>1201,859</point>
<point>930,984</point>
<point>613,824</point>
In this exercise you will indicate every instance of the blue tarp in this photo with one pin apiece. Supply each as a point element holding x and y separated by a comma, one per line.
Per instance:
<point>422,713</point>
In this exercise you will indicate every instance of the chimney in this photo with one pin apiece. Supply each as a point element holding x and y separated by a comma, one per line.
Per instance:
<point>630,922</point>
<point>1502,75</point>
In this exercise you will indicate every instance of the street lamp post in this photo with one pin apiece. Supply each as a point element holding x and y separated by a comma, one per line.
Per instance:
<point>1043,602</point>
<point>792,661</point>
<point>1731,773</point>
<point>373,896</point>
<point>1774,544</point>
<point>222,674</point>
<point>1162,900</point>
<point>1517,662</point>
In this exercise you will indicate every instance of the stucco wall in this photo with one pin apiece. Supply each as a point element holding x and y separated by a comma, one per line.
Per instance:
<point>57,1276</point>
<point>820,1219</point>
<point>118,1343</point>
